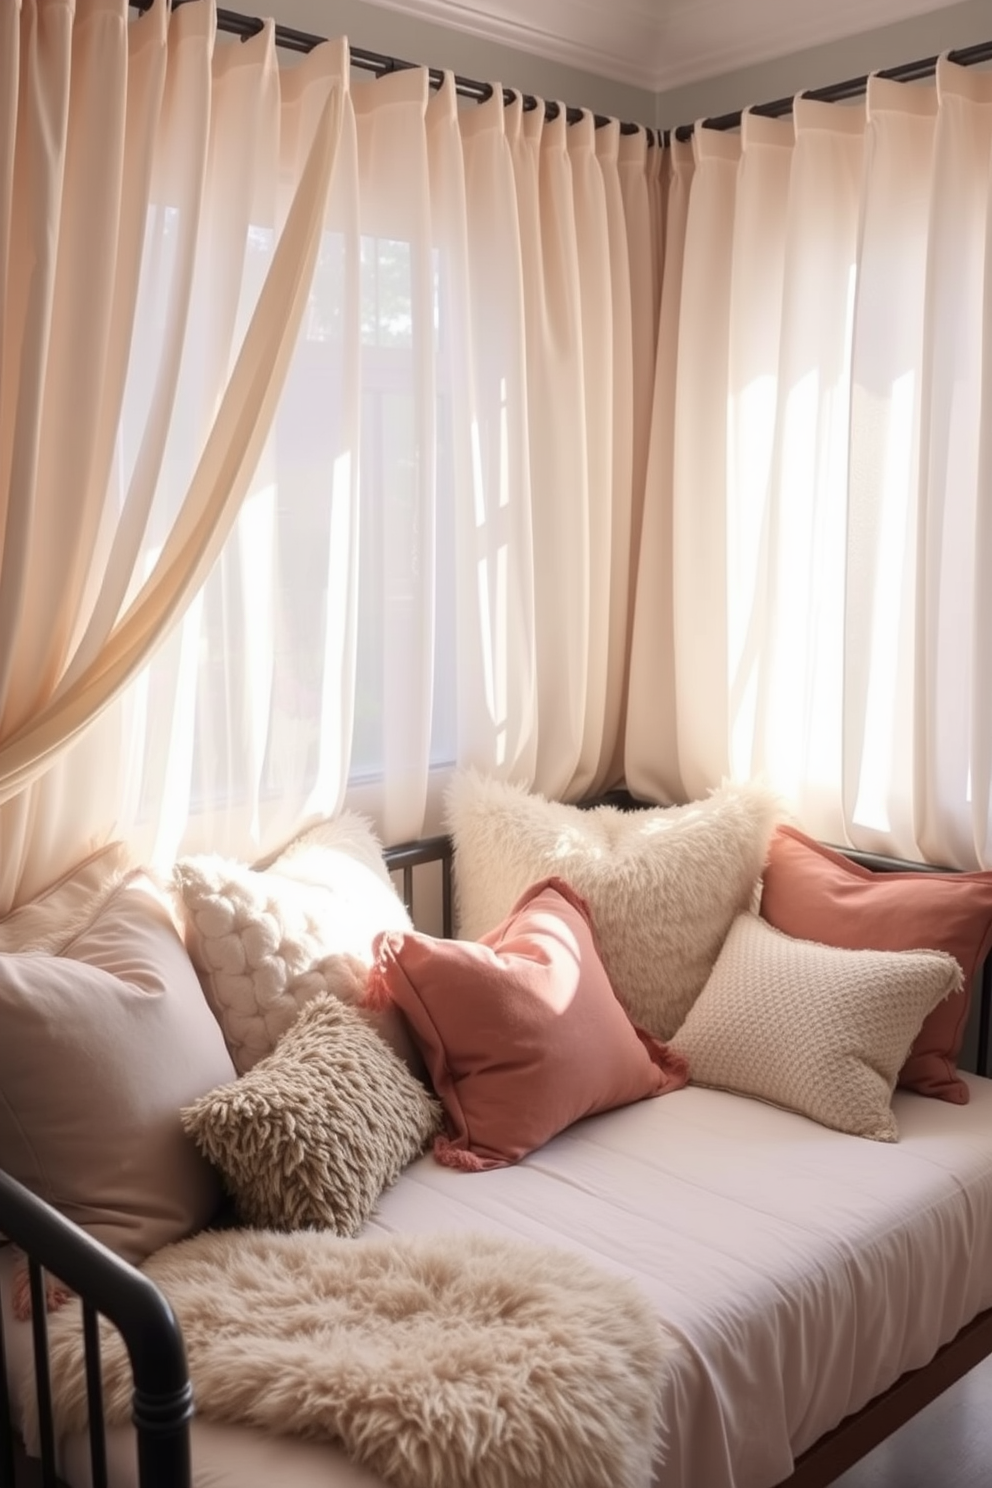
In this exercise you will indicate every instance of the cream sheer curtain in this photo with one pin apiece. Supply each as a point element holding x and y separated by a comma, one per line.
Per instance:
<point>812,598</point>
<point>349,433</point>
<point>335,398</point>
<point>143,351</point>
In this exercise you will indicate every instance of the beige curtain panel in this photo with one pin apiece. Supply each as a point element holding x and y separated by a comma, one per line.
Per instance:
<point>812,598</point>
<point>350,433</point>
<point>130,150</point>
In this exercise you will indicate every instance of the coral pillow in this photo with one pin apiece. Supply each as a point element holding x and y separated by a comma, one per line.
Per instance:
<point>815,893</point>
<point>521,1032</point>
<point>663,883</point>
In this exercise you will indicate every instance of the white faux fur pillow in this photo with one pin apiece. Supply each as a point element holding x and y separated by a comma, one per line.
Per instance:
<point>814,1028</point>
<point>663,884</point>
<point>266,940</point>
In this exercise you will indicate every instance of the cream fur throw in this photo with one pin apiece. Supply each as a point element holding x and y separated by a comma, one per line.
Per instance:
<point>456,1361</point>
<point>664,884</point>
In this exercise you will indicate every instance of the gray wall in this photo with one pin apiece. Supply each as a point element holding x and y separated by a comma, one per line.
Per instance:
<point>378,29</point>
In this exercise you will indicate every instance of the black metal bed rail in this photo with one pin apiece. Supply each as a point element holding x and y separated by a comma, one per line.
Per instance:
<point>162,1402</point>
<point>406,856</point>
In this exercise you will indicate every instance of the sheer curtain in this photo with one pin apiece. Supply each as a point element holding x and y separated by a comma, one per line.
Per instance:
<point>818,499</point>
<point>143,344</point>
<point>342,414</point>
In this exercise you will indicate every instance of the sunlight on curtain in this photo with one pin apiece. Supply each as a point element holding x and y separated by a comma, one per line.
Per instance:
<point>141,364</point>
<point>699,533</point>
<point>886,385</point>
<point>651,757</point>
<point>830,618</point>
<point>429,433</point>
<point>465,596</point>
<point>424,554</point>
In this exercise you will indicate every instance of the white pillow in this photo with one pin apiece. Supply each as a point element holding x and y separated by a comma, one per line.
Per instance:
<point>663,884</point>
<point>266,940</point>
<point>814,1028</point>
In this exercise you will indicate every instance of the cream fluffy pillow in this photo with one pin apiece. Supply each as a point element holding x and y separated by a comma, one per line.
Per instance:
<point>266,940</point>
<point>311,1136</point>
<point>816,1029</point>
<point>663,884</point>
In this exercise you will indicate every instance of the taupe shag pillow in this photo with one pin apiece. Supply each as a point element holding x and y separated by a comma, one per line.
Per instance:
<point>311,1136</point>
<point>819,1030</point>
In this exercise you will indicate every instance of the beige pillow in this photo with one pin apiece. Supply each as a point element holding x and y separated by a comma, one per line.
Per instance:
<point>267,940</point>
<point>663,884</point>
<point>816,1029</point>
<point>312,1135</point>
<point>99,1049</point>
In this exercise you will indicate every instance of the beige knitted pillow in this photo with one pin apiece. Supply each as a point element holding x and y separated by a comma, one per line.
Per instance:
<point>311,1136</point>
<point>816,1029</point>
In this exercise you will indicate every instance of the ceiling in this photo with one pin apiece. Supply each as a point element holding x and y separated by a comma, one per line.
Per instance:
<point>662,44</point>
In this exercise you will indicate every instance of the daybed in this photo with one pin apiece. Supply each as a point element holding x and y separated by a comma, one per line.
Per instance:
<point>815,1287</point>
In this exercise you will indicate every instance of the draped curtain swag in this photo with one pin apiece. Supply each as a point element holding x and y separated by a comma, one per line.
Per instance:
<point>350,433</point>
<point>132,152</point>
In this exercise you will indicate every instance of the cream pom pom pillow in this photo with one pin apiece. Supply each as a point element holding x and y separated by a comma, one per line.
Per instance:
<point>663,884</point>
<point>266,940</point>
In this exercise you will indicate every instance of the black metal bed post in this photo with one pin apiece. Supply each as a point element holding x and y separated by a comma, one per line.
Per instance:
<point>162,1405</point>
<point>406,856</point>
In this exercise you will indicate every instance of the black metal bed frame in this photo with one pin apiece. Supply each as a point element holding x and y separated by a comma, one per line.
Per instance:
<point>163,1404</point>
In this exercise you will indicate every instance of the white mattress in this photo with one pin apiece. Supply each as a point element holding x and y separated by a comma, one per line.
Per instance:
<point>802,1271</point>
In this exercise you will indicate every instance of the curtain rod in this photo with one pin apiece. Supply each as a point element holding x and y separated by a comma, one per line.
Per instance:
<point>302,41</point>
<point>908,72</point>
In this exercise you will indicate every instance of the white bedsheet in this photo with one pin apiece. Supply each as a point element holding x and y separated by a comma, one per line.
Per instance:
<point>802,1271</point>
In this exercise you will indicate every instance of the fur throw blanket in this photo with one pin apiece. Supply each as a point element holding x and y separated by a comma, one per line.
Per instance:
<point>456,1361</point>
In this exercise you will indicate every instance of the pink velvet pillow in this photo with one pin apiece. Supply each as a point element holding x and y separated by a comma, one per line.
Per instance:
<point>521,1031</point>
<point>814,893</point>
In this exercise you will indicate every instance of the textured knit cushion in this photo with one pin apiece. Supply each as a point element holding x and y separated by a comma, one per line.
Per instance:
<point>312,1135</point>
<point>265,941</point>
<point>522,1032</point>
<point>99,1049</point>
<point>818,1030</point>
<point>817,894</point>
<point>663,884</point>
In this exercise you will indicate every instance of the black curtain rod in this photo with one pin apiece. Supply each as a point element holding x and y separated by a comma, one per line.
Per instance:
<point>301,41</point>
<point>909,72</point>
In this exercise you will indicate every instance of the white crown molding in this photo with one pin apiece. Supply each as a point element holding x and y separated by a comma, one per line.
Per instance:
<point>662,44</point>
<point>594,38</point>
